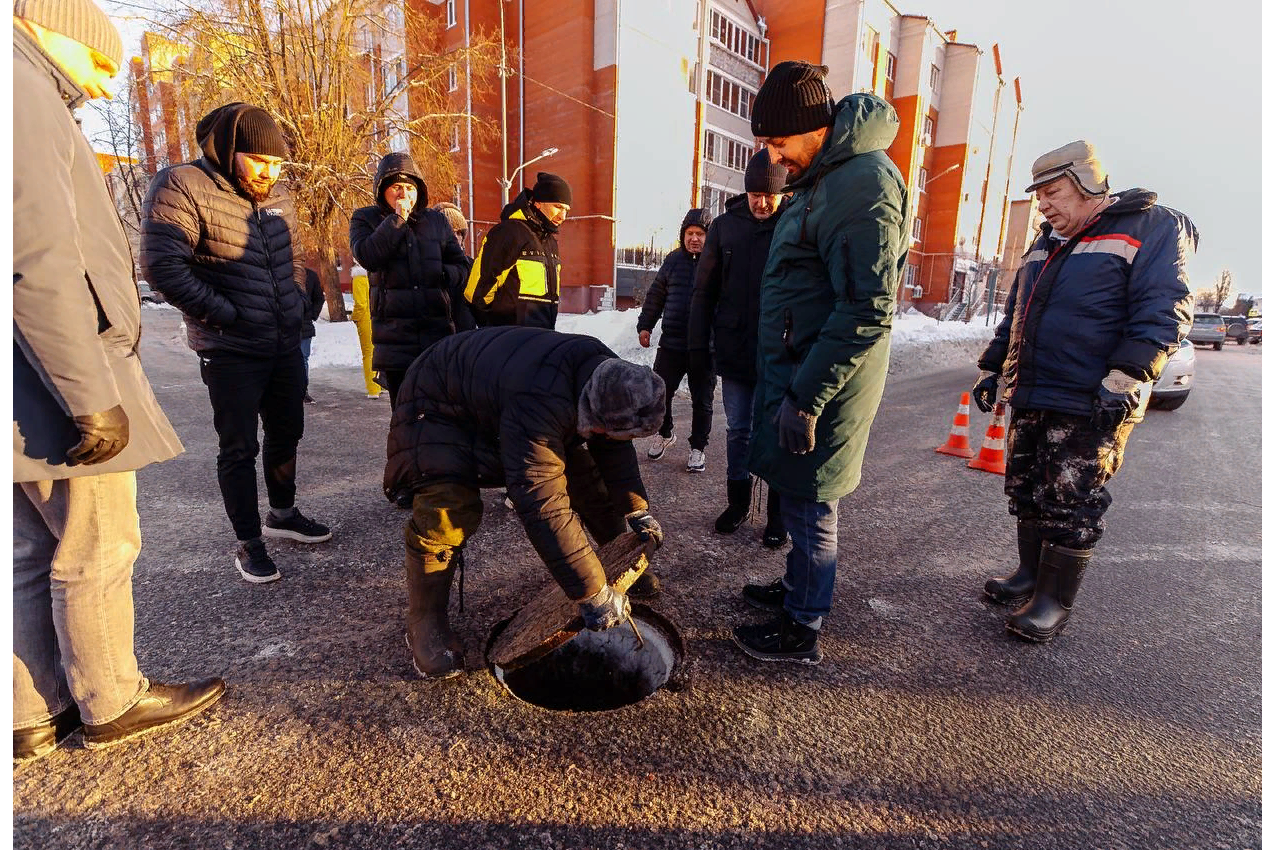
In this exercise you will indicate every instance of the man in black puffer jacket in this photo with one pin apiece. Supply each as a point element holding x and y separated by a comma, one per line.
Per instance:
<point>222,248</point>
<point>668,299</point>
<point>549,415</point>
<point>416,274</point>
<point>725,311</point>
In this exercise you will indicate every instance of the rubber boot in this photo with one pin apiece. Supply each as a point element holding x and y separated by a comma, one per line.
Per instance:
<point>739,494</point>
<point>436,651</point>
<point>1018,587</point>
<point>1060,575</point>
<point>774,536</point>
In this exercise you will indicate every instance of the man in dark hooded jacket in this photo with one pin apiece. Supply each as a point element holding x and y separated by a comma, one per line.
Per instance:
<point>549,415</point>
<point>725,310</point>
<point>516,278</point>
<point>416,274</point>
<point>219,241</point>
<point>668,298</point>
<point>825,314</point>
<point>1100,302</point>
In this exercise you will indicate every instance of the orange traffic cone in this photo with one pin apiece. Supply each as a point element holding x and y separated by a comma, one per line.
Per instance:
<point>957,442</point>
<point>990,458</point>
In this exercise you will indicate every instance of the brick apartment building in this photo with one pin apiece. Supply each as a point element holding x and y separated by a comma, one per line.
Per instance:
<point>647,105</point>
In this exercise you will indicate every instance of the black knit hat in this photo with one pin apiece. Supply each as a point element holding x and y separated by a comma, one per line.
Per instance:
<point>551,189</point>
<point>793,100</point>
<point>81,20</point>
<point>258,133</point>
<point>762,177</point>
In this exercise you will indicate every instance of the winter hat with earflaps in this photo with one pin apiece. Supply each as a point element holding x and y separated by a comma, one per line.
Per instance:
<point>81,20</point>
<point>1079,161</point>
<point>622,400</point>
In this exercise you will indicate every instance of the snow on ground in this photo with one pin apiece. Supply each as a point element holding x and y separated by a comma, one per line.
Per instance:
<point>920,344</point>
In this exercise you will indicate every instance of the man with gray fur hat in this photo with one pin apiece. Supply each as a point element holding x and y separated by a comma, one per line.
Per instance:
<point>1100,302</point>
<point>551,417</point>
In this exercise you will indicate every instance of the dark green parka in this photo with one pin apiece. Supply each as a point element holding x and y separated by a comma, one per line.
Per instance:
<point>827,303</point>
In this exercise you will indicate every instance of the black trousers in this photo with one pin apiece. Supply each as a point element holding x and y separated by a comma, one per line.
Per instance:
<point>672,366</point>
<point>394,383</point>
<point>243,391</point>
<point>1057,467</point>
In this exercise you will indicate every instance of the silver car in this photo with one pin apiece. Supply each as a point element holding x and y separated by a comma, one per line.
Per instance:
<point>1175,382</point>
<point>1208,329</point>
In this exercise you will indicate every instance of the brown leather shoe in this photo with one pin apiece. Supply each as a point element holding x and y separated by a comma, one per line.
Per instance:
<point>38,741</point>
<point>162,705</point>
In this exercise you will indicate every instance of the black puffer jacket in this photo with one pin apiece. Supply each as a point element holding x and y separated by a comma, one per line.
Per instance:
<point>416,271</point>
<point>314,303</point>
<point>516,278</point>
<point>226,262</point>
<point>499,407</point>
<point>725,296</point>
<point>670,293</point>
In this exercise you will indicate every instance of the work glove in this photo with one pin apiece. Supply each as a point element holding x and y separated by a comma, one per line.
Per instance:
<point>986,391</point>
<point>604,609</point>
<point>797,428</point>
<point>104,435</point>
<point>1116,399</point>
<point>646,528</point>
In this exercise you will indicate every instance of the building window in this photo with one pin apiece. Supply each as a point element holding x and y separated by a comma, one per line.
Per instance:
<point>909,275</point>
<point>737,39</point>
<point>715,199</point>
<point>728,94</point>
<point>455,138</point>
<point>935,77</point>
<point>891,63</point>
<point>922,179</point>
<point>916,225</point>
<point>451,13</point>
<point>457,201</point>
<point>452,81</point>
<point>726,152</point>
<point>928,130</point>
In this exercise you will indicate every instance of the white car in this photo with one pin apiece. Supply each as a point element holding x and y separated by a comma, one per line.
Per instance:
<point>1175,382</point>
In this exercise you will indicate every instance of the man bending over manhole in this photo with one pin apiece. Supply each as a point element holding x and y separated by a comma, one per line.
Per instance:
<point>548,415</point>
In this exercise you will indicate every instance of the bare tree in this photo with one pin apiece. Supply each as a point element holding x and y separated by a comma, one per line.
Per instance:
<point>347,81</point>
<point>128,179</point>
<point>1221,288</point>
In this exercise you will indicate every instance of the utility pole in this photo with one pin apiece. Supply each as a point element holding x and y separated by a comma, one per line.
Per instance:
<point>504,181</point>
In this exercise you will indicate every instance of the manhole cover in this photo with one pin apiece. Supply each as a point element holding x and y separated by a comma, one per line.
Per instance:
<point>599,671</point>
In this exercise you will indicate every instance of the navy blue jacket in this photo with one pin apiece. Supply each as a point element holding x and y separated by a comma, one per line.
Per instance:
<point>670,293</point>
<point>1114,296</point>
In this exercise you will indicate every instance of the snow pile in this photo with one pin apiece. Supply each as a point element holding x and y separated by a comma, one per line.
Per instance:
<point>920,344</point>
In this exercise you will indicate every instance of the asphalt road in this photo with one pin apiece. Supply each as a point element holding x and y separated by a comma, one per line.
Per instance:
<point>926,726</point>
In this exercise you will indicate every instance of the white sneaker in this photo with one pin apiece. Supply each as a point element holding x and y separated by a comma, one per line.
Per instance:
<point>658,446</point>
<point>696,461</point>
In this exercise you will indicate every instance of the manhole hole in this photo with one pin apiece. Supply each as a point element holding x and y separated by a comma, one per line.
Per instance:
<point>599,671</point>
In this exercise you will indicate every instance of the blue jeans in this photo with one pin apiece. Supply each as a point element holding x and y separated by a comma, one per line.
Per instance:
<point>305,345</point>
<point>811,565</point>
<point>738,406</point>
<point>74,543</point>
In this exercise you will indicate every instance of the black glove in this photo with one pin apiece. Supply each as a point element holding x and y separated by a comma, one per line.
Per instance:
<point>986,391</point>
<point>604,609</point>
<point>104,436</point>
<point>647,528</point>
<point>797,429</point>
<point>1115,400</point>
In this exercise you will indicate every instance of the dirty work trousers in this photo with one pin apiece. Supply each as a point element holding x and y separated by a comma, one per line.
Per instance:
<point>1058,465</point>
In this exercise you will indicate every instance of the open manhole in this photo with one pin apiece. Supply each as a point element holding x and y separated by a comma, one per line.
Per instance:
<point>598,671</point>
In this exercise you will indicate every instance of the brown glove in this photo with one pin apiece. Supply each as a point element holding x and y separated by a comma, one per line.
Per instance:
<point>104,436</point>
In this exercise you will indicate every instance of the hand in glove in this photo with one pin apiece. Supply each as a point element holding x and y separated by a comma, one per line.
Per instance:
<point>797,428</point>
<point>986,391</point>
<point>104,436</point>
<point>604,609</point>
<point>643,524</point>
<point>1115,400</point>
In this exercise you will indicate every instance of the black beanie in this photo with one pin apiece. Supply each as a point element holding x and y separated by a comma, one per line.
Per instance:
<point>550,189</point>
<point>793,100</point>
<point>764,178</point>
<point>258,133</point>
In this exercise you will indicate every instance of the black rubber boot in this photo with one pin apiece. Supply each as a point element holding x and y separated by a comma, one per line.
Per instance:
<point>436,651</point>
<point>774,536</point>
<point>1060,575</point>
<point>739,494</point>
<point>1018,587</point>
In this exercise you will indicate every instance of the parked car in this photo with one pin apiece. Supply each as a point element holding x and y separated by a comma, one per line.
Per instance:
<point>1237,329</point>
<point>148,294</point>
<point>1174,384</point>
<point>1255,331</point>
<point>1208,329</point>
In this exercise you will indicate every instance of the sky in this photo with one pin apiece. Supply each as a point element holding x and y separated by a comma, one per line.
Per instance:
<point>1163,89</point>
<point>1168,92</point>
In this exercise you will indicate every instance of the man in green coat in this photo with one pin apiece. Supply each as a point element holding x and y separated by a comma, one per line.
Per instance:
<point>827,305</point>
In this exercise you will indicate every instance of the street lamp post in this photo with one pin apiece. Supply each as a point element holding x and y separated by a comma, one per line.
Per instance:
<point>506,182</point>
